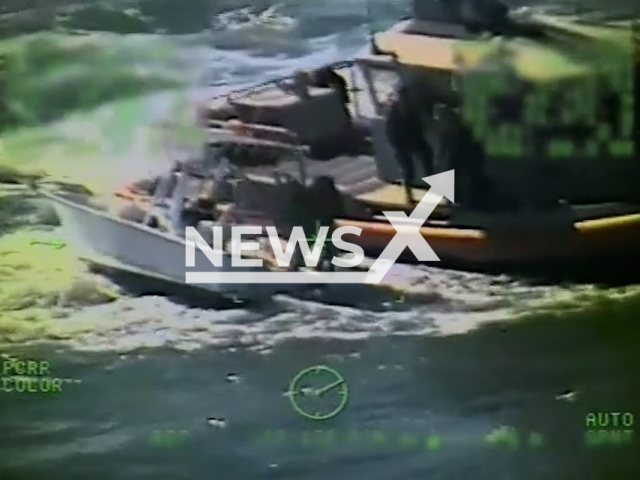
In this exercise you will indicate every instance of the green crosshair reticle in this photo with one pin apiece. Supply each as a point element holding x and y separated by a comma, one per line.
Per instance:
<point>548,107</point>
<point>318,393</point>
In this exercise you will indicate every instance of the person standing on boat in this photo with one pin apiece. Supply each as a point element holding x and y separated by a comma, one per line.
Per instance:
<point>201,208</point>
<point>460,151</point>
<point>167,184</point>
<point>178,197</point>
<point>483,14</point>
<point>168,198</point>
<point>404,130</point>
<point>327,207</point>
<point>326,77</point>
<point>354,140</point>
<point>312,208</point>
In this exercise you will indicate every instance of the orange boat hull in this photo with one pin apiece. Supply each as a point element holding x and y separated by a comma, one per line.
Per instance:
<point>588,241</point>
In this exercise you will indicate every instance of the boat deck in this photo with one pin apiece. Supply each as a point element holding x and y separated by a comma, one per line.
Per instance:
<point>354,175</point>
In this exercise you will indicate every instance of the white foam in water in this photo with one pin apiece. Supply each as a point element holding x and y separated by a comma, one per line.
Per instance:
<point>459,303</point>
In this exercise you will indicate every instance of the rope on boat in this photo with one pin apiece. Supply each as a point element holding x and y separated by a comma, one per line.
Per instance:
<point>269,83</point>
<point>238,128</point>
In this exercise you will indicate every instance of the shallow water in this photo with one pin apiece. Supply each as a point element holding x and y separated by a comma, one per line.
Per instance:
<point>474,361</point>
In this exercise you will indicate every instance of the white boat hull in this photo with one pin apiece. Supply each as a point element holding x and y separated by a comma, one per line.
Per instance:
<point>103,238</point>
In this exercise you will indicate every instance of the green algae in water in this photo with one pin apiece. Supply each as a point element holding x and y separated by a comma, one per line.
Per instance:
<point>46,76</point>
<point>65,78</point>
<point>38,285</point>
<point>96,148</point>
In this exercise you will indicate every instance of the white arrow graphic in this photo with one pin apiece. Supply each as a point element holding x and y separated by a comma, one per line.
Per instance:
<point>408,227</point>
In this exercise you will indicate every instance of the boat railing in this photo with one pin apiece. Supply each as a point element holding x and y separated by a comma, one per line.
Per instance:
<point>242,134</point>
<point>349,65</point>
<point>252,134</point>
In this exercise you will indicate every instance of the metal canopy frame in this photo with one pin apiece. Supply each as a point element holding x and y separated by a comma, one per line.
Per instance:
<point>242,134</point>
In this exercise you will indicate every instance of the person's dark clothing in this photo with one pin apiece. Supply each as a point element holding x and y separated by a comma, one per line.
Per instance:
<point>327,78</point>
<point>405,135</point>
<point>481,15</point>
<point>294,209</point>
<point>327,201</point>
<point>469,158</point>
<point>329,206</point>
<point>460,151</point>
<point>191,217</point>
<point>313,208</point>
<point>200,209</point>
